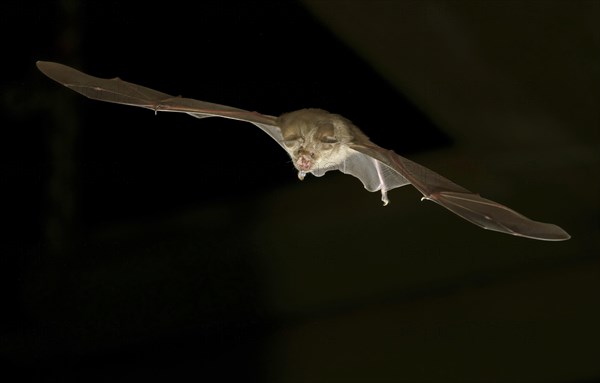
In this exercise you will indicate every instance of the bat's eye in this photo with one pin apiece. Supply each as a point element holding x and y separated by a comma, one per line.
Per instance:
<point>292,141</point>
<point>328,140</point>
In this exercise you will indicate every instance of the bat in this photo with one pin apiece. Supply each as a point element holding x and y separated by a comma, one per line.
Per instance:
<point>318,142</point>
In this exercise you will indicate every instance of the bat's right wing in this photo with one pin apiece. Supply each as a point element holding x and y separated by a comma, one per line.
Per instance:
<point>118,91</point>
<point>464,203</point>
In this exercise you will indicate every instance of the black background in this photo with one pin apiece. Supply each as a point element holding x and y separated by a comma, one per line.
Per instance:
<point>136,243</point>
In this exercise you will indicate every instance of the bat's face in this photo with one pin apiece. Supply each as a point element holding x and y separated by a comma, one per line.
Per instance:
<point>314,139</point>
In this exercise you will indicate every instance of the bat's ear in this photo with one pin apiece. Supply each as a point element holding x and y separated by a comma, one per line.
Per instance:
<point>326,127</point>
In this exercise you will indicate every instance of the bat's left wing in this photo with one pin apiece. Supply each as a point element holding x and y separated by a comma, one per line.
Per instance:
<point>464,203</point>
<point>118,91</point>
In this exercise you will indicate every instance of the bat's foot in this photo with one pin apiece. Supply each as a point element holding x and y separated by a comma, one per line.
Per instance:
<point>384,198</point>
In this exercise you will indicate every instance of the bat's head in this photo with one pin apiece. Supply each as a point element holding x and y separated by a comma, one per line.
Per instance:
<point>315,140</point>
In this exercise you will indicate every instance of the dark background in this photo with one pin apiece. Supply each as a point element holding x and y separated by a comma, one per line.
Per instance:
<point>152,247</point>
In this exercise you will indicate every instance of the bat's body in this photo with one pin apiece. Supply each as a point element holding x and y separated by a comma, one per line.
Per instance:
<point>317,142</point>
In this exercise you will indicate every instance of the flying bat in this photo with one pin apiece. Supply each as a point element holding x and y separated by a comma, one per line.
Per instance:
<point>317,142</point>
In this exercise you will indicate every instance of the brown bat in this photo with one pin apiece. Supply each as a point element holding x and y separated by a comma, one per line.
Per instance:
<point>318,142</point>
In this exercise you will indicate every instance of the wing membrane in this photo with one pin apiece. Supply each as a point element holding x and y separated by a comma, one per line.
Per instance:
<point>462,202</point>
<point>118,91</point>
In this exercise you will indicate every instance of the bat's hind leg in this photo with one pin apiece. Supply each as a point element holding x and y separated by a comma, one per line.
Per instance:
<point>382,185</point>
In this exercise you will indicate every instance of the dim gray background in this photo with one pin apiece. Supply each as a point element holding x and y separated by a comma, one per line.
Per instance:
<point>163,247</point>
